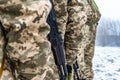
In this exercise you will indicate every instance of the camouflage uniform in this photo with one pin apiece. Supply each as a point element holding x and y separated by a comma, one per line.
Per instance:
<point>77,23</point>
<point>27,47</point>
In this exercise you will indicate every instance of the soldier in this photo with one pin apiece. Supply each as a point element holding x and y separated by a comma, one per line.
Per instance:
<point>77,23</point>
<point>28,54</point>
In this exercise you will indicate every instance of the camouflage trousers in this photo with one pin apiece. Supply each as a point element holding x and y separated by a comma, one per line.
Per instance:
<point>27,48</point>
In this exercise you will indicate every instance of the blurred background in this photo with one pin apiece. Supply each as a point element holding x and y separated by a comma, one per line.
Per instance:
<point>108,30</point>
<point>106,60</point>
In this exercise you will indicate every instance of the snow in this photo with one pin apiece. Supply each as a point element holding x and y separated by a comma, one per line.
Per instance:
<point>106,63</point>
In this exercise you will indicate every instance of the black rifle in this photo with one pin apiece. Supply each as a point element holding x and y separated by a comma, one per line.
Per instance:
<point>57,45</point>
<point>77,74</point>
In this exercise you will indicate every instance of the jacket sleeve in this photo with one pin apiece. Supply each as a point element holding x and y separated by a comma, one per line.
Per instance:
<point>16,15</point>
<point>31,12</point>
<point>25,22</point>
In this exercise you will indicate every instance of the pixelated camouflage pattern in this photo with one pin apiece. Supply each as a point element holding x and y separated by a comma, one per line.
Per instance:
<point>77,24</point>
<point>60,7</point>
<point>80,35</point>
<point>28,47</point>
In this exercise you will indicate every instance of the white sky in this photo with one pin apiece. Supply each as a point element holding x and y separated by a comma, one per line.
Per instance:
<point>109,8</point>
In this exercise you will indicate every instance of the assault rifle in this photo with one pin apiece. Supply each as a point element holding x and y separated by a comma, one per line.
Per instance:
<point>77,74</point>
<point>57,48</point>
<point>57,45</point>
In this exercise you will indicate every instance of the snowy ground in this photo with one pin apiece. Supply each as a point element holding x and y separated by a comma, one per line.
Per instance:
<point>106,63</point>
